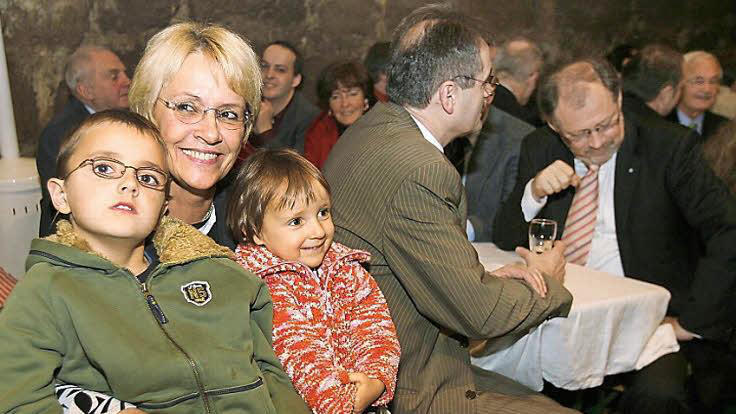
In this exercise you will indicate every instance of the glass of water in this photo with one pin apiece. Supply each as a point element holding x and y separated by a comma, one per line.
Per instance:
<point>542,233</point>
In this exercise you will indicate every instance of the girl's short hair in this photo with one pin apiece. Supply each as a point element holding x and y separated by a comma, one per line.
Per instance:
<point>167,50</point>
<point>111,116</point>
<point>259,184</point>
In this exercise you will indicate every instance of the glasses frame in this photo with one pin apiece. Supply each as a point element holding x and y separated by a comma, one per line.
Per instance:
<point>91,161</point>
<point>489,85</point>
<point>587,133</point>
<point>700,81</point>
<point>247,115</point>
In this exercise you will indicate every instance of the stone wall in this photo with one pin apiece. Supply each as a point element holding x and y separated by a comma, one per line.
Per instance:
<point>40,34</point>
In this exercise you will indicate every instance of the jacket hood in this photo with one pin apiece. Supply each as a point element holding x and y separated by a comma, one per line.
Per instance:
<point>175,242</point>
<point>261,261</point>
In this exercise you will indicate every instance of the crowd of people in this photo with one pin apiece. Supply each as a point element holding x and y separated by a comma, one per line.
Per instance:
<point>281,256</point>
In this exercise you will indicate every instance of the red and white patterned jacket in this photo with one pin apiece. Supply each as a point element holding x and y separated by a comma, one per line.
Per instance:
<point>328,323</point>
<point>7,283</point>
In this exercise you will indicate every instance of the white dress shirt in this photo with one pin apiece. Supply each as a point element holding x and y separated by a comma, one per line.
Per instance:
<point>469,230</point>
<point>604,253</point>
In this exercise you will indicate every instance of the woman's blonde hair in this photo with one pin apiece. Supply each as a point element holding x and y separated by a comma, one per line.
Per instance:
<point>165,54</point>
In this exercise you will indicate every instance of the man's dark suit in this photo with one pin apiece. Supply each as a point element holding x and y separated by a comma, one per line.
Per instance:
<point>396,196</point>
<point>505,100</point>
<point>633,105</point>
<point>711,123</point>
<point>491,172</point>
<point>48,148</point>
<point>291,129</point>
<point>664,196</point>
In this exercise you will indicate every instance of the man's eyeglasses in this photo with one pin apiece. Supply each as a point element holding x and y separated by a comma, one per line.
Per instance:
<point>489,85</point>
<point>149,177</point>
<point>701,81</point>
<point>193,112</point>
<point>600,129</point>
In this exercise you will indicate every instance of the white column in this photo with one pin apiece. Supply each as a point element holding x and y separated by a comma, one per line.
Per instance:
<point>8,136</point>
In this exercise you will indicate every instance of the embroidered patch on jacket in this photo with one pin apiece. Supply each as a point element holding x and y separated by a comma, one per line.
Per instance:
<point>197,292</point>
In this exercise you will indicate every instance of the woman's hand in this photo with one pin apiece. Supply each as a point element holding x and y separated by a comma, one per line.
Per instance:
<point>264,122</point>
<point>367,390</point>
<point>131,411</point>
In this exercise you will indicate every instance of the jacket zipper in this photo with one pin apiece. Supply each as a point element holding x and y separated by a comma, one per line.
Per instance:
<point>160,317</point>
<point>222,391</point>
<point>158,314</point>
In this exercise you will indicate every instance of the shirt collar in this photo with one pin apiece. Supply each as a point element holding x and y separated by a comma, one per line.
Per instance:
<point>581,169</point>
<point>428,135</point>
<point>687,121</point>
<point>89,109</point>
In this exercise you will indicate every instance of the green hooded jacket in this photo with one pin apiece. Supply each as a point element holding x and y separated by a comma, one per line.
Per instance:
<point>194,338</point>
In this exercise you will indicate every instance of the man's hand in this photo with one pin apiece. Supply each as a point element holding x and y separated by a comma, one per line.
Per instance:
<point>553,179</point>
<point>681,333</point>
<point>131,411</point>
<point>367,390</point>
<point>264,122</point>
<point>551,263</point>
<point>531,276</point>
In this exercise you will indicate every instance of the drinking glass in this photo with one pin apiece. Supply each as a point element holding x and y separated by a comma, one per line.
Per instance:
<point>542,233</point>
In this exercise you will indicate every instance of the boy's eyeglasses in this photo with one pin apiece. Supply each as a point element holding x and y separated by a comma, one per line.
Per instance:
<point>193,112</point>
<point>149,177</point>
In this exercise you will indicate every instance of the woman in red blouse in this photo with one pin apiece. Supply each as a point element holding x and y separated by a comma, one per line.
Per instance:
<point>345,92</point>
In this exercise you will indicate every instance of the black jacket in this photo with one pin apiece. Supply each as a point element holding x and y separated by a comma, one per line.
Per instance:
<point>48,148</point>
<point>665,197</point>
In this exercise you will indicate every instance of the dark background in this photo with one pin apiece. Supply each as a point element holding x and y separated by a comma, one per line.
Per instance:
<point>40,34</point>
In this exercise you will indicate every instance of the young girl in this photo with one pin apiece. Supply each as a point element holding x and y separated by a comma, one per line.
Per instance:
<point>171,326</point>
<point>332,329</point>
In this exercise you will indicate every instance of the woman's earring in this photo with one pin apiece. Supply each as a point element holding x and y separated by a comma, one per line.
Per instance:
<point>365,105</point>
<point>329,112</point>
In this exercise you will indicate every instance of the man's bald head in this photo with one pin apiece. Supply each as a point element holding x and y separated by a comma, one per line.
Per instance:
<point>571,84</point>
<point>431,45</point>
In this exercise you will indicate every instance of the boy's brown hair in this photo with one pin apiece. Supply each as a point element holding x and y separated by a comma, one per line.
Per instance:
<point>111,116</point>
<point>258,185</point>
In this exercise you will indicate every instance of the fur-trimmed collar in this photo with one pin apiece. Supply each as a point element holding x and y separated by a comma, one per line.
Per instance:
<point>174,240</point>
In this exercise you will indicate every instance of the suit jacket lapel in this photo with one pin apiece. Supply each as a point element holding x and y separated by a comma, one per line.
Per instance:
<point>626,178</point>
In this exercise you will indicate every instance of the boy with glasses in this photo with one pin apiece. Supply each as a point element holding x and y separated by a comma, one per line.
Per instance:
<point>165,320</point>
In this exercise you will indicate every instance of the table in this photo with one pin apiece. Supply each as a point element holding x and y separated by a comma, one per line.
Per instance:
<point>613,327</point>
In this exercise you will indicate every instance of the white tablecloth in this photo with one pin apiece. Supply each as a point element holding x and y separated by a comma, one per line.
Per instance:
<point>613,327</point>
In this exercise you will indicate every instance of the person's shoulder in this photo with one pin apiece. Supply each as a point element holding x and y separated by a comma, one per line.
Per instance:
<point>717,119</point>
<point>304,106</point>
<point>661,130</point>
<point>505,126</point>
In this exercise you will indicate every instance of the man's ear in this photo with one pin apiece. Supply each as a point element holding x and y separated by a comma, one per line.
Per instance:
<point>552,126</point>
<point>447,96</point>
<point>296,81</point>
<point>85,92</point>
<point>57,192</point>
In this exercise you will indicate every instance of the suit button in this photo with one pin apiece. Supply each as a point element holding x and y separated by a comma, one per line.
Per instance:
<point>470,394</point>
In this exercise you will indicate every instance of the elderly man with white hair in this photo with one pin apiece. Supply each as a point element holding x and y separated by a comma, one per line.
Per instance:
<point>702,75</point>
<point>97,81</point>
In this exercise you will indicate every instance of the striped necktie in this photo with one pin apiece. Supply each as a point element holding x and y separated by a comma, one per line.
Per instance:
<point>581,218</point>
